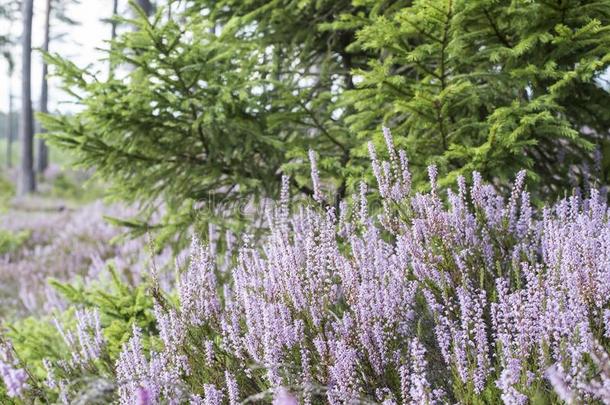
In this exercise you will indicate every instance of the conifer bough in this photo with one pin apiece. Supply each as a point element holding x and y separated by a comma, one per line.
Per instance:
<point>223,97</point>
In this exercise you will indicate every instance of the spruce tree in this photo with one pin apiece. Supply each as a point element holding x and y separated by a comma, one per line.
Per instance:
<point>216,108</point>
<point>490,86</point>
<point>222,98</point>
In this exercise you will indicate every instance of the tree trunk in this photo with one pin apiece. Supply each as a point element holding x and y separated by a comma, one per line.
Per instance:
<point>115,11</point>
<point>146,5</point>
<point>27,178</point>
<point>9,122</point>
<point>43,151</point>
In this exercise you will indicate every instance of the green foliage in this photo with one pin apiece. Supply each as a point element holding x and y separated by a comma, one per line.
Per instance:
<point>223,97</point>
<point>64,186</point>
<point>74,187</point>
<point>209,120</point>
<point>8,10</point>
<point>12,241</point>
<point>120,306</point>
<point>37,338</point>
<point>489,86</point>
<point>7,191</point>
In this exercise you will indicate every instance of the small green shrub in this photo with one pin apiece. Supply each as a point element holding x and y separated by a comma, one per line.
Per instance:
<point>7,191</point>
<point>39,339</point>
<point>120,306</point>
<point>12,241</point>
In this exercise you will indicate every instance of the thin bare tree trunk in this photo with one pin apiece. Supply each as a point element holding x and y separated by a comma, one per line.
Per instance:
<point>115,10</point>
<point>43,151</point>
<point>9,121</point>
<point>27,178</point>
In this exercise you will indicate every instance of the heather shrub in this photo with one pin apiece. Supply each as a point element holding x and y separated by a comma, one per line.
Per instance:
<point>65,244</point>
<point>118,303</point>
<point>474,298</point>
<point>58,346</point>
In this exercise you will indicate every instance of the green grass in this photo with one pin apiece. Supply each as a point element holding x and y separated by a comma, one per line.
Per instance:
<point>7,190</point>
<point>12,241</point>
<point>69,185</point>
<point>56,156</point>
<point>3,154</point>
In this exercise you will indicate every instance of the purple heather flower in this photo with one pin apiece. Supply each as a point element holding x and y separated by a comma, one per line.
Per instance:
<point>419,387</point>
<point>557,379</point>
<point>197,288</point>
<point>508,381</point>
<point>315,177</point>
<point>433,175</point>
<point>363,204</point>
<point>212,395</point>
<point>232,388</point>
<point>14,379</point>
<point>284,397</point>
<point>143,397</point>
